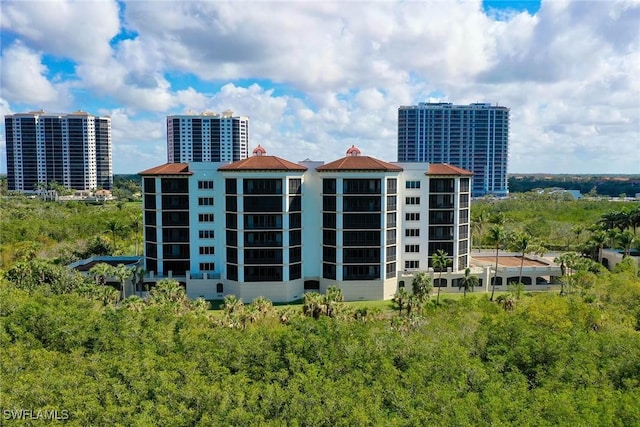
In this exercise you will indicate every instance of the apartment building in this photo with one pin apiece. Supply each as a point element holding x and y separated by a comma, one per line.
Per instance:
<point>207,137</point>
<point>266,226</point>
<point>474,137</point>
<point>73,150</point>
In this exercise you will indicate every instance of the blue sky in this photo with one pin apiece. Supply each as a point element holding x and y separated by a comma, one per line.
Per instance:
<point>317,77</point>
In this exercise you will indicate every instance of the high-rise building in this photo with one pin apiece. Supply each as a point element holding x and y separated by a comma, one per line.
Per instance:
<point>265,226</point>
<point>474,137</point>
<point>73,150</point>
<point>207,137</point>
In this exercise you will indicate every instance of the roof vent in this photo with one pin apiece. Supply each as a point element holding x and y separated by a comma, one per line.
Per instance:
<point>353,151</point>
<point>259,151</point>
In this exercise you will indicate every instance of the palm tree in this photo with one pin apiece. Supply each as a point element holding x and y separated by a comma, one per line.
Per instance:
<point>134,303</point>
<point>634,219</point>
<point>497,236</point>
<point>100,272</point>
<point>113,226</point>
<point>332,298</point>
<point>599,237</point>
<point>137,277</point>
<point>421,286</point>
<point>122,273</point>
<point>313,304</point>
<point>520,243</point>
<point>479,221</point>
<point>263,305</point>
<point>625,240</point>
<point>136,223</point>
<point>468,281</point>
<point>567,261</point>
<point>577,230</point>
<point>232,304</point>
<point>440,261</point>
<point>498,218</point>
<point>105,294</point>
<point>401,297</point>
<point>169,291</point>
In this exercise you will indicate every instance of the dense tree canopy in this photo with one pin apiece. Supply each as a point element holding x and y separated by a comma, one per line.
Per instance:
<point>550,360</point>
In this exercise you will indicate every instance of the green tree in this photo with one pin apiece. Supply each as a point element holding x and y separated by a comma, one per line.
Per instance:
<point>122,273</point>
<point>625,241</point>
<point>232,305</point>
<point>114,227</point>
<point>421,286</point>
<point>599,237</point>
<point>440,261</point>
<point>497,237</point>
<point>135,226</point>
<point>137,278</point>
<point>400,298</point>
<point>332,300</point>
<point>468,282</point>
<point>100,273</point>
<point>263,305</point>
<point>568,261</point>
<point>313,304</point>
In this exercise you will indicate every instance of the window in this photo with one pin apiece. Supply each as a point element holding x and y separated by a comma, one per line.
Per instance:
<point>391,219</point>
<point>411,264</point>
<point>205,185</point>
<point>206,217</point>
<point>206,234</point>
<point>329,186</point>
<point>390,270</point>
<point>295,254</point>
<point>295,271</point>
<point>412,184</point>
<point>412,232</point>
<point>391,203</point>
<point>391,236</point>
<point>207,250</point>
<point>232,272</point>
<point>295,203</point>
<point>412,248</point>
<point>412,216</point>
<point>295,220</point>
<point>328,254</point>
<point>207,266</point>
<point>412,200</point>
<point>295,186</point>
<point>262,186</point>
<point>329,203</point>
<point>464,185</point>
<point>361,186</point>
<point>205,201</point>
<point>328,271</point>
<point>230,186</point>
<point>392,185</point>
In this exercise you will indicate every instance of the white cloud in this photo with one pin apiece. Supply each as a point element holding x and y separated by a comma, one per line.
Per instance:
<point>24,78</point>
<point>79,30</point>
<point>569,73</point>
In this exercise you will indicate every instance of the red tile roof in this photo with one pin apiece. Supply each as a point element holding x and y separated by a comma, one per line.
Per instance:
<point>359,163</point>
<point>262,163</point>
<point>445,169</point>
<point>168,169</point>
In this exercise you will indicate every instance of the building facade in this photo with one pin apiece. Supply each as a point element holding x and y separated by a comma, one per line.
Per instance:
<point>207,137</point>
<point>73,150</point>
<point>474,137</point>
<point>265,226</point>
